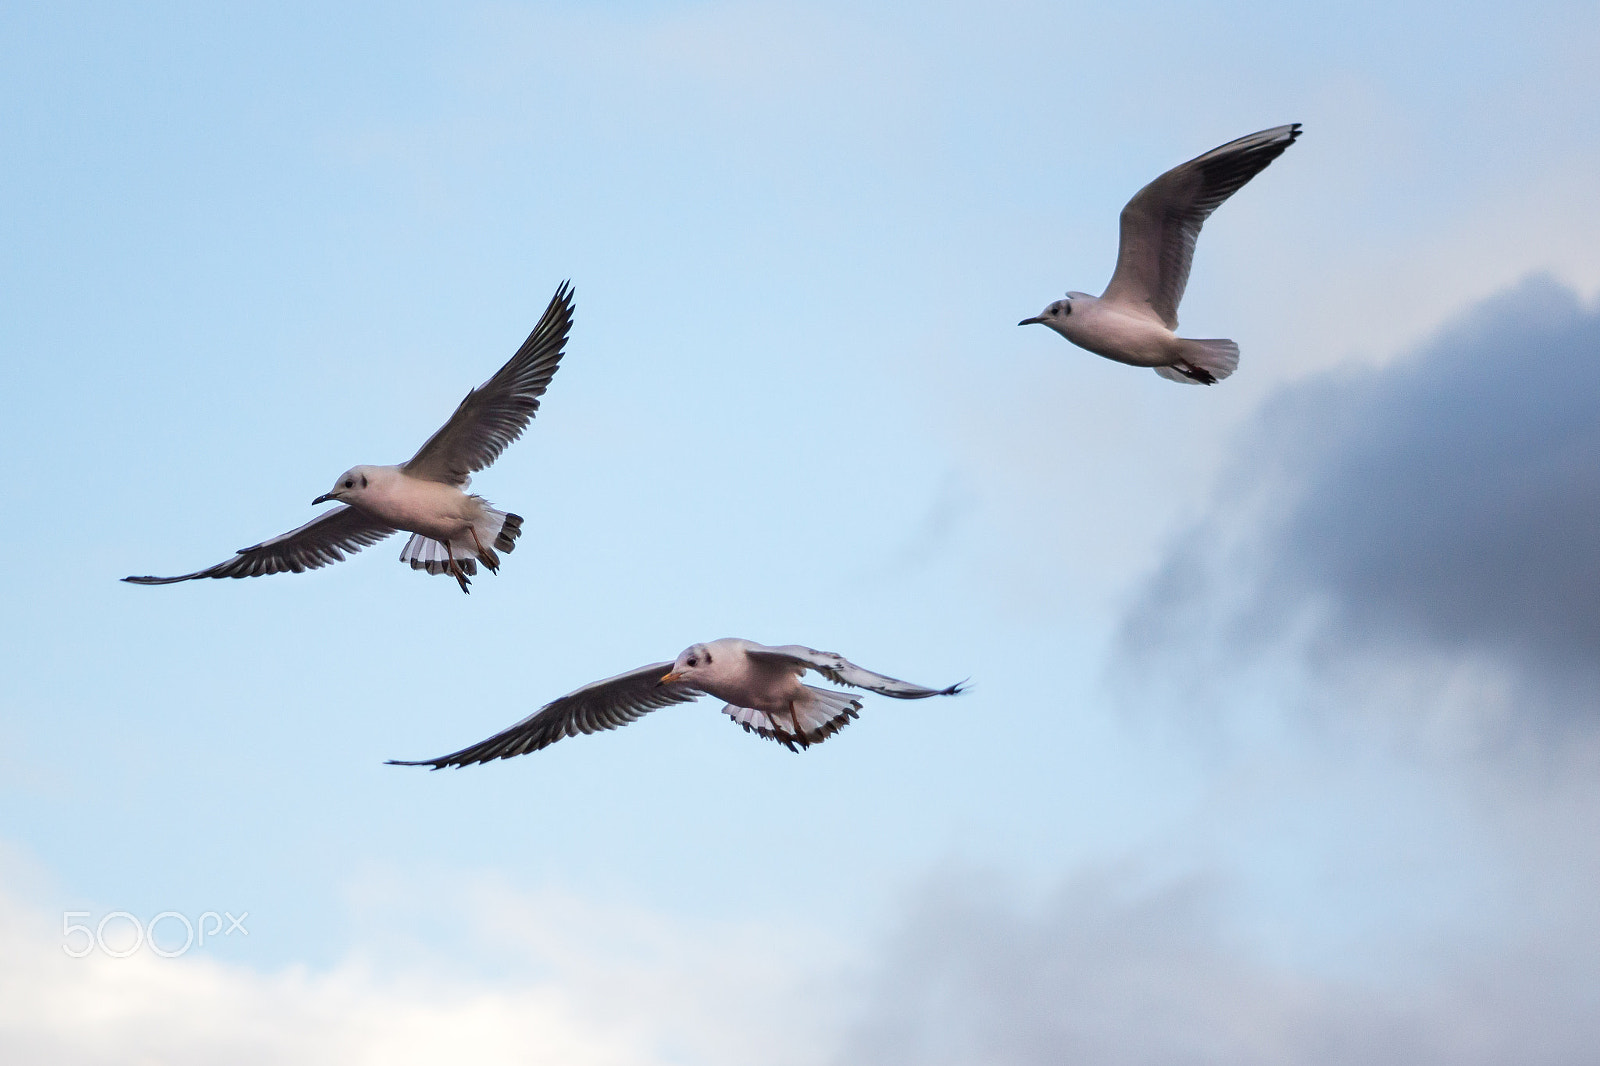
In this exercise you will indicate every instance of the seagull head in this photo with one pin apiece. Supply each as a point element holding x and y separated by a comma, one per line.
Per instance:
<point>351,484</point>
<point>691,663</point>
<point>1051,316</point>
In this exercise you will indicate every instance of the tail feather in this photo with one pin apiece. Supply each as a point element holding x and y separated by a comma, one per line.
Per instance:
<point>812,717</point>
<point>1204,362</point>
<point>425,553</point>
<point>505,538</point>
<point>499,529</point>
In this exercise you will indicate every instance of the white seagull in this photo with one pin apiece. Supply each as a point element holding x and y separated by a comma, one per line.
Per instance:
<point>1133,320</point>
<point>760,684</point>
<point>452,530</point>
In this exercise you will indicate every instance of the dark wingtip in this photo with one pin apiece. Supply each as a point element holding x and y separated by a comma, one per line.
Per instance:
<point>563,298</point>
<point>430,763</point>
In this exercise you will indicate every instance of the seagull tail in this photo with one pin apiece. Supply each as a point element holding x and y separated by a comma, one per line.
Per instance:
<point>424,553</point>
<point>495,531</point>
<point>1203,362</point>
<point>814,716</point>
<point>508,527</point>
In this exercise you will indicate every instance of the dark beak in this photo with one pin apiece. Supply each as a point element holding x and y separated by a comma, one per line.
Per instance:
<point>1031,321</point>
<point>324,498</point>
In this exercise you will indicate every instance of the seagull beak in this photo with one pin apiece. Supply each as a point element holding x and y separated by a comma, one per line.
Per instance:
<point>669,678</point>
<point>324,498</point>
<point>1031,321</point>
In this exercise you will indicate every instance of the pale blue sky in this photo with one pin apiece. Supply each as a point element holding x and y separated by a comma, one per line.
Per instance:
<point>245,250</point>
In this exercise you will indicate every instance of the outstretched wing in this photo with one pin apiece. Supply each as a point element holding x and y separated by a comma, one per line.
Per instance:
<point>602,705</point>
<point>1162,222</point>
<point>495,413</point>
<point>842,671</point>
<point>328,538</point>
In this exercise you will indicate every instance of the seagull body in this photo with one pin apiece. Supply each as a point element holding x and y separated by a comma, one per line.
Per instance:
<point>761,686</point>
<point>432,509</point>
<point>452,530</point>
<point>1117,332</point>
<point>1134,320</point>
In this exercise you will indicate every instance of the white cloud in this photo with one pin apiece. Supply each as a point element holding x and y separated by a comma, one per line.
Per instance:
<point>579,985</point>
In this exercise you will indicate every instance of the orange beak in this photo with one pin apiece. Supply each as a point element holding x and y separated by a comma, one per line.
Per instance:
<point>669,678</point>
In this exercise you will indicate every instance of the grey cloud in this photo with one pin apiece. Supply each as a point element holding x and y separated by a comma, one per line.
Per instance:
<point>1104,977</point>
<point>1427,529</point>
<point>1447,503</point>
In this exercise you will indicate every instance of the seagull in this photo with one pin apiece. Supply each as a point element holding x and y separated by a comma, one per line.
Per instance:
<point>451,530</point>
<point>1133,320</point>
<point>760,684</point>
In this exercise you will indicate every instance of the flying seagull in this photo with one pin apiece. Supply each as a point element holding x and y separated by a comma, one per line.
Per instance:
<point>451,530</point>
<point>1133,320</point>
<point>760,684</point>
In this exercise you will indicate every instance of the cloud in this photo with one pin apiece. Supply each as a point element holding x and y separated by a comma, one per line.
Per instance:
<point>573,983</point>
<point>1435,520</point>
<point>1110,975</point>
<point>1420,541</point>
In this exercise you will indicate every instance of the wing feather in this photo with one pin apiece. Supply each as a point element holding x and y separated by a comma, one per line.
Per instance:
<point>496,412</point>
<point>326,539</point>
<point>605,704</point>
<point>842,671</point>
<point>1162,222</point>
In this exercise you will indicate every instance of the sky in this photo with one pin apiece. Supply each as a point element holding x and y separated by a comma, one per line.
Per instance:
<point>1284,720</point>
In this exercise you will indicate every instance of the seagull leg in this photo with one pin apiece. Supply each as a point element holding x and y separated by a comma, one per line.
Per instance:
<point>486,558</point>
<point>455,569</point>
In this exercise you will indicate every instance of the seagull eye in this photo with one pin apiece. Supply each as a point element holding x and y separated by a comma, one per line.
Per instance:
<point>349,482</point>
<point>691,661</point>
